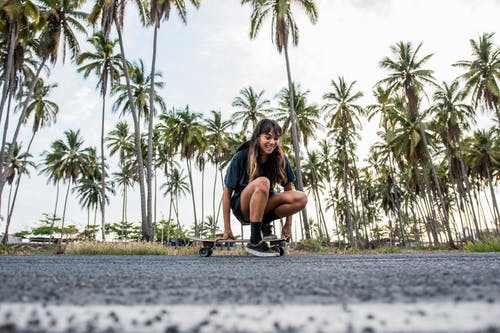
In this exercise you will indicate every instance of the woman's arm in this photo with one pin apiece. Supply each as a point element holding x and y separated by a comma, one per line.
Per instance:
<point>226,213</point>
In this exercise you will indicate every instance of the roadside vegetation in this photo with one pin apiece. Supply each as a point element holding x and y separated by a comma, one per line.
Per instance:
<point>489,243</point>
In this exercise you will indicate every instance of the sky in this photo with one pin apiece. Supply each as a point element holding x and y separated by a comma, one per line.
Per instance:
<point>208,61</point>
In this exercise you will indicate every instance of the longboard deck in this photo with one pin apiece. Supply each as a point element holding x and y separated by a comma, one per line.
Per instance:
<point>209,244</point>
<point>218,240</point>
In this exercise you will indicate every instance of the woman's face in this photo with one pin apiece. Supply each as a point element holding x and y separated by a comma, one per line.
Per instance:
<point>268,142</point>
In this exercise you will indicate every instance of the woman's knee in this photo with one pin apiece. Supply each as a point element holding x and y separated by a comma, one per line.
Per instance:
<point>301,199</point>
<point>261,184</point>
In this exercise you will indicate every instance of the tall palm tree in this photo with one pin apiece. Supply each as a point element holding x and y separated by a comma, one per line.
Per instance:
<point>140,87</point>
<point>159,11</point>
<point>342,119</point>
<point>67,159</point>
<point>283,26</point>
<point>125,178</point>
<point>176,186</point>
<point>187,137</point>
<point>252,108</point>
<point>89,186</point>
<point>483,73</point>
<point>105,64</point>
<point>112,13</point>
<point>121,142</point>
<point>406,74</point>
<point>218,137</point>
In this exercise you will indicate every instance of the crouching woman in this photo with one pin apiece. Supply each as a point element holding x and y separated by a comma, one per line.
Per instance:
<point>255,169</point>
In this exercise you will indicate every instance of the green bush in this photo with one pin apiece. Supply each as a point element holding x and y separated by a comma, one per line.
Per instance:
<point>487,244</point>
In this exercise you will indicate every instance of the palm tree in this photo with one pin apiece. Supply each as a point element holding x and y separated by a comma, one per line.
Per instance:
<point>139,85</point>
<point>342,119</point>
<point>176,186</point>
<point>113,12</point>
<point>68,159</point>
<point>408,75</point>
<point>187,136</point>
<point>106,66</point>
<point>125,179</point>
<point>482,73</point>
<point>218,138</point>
<point>283,25</point>
<point>89,187</point>
<point>252,108</point>
<point>121,142</point>
<point>159,11</point>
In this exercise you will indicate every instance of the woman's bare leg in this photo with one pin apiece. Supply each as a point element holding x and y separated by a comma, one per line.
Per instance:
<point>286,203</point>
<point>254,199</point>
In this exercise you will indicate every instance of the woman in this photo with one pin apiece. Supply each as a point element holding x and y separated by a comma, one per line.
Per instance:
<point>255,169</point>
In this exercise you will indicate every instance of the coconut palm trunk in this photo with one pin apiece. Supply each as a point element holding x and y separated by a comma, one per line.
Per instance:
<point>8,71</point>
<point>446,221</point>
<point>496,214</point>
<point>146,228</point>
<point>191,185</point>
<point>352,240</point>
<point>18,182</point>
<point>64,209</point>
<point>295,142</point>
<point>149,161</point>
<point>103,171</point>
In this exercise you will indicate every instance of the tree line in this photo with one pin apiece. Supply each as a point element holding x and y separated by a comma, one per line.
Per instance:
<point>426,178</point>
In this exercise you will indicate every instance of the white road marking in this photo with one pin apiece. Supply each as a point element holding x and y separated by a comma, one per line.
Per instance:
<point>417,317</point>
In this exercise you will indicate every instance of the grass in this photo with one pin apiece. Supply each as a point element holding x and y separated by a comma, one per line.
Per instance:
<point>130,248</point>
<point>487,244</point>
<point>27,249</point>
<point>490,243</point>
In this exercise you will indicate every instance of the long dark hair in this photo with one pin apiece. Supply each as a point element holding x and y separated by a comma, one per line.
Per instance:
<point>275,165</point>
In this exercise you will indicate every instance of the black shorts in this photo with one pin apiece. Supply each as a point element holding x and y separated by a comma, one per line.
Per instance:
<point>236,209</point>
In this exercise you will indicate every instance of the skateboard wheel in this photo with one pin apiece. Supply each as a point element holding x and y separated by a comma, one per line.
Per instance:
<point>279,249</point>
<point>205,252</point>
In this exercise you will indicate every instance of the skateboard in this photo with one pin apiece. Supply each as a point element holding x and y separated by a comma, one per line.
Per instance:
<point>208,245</point>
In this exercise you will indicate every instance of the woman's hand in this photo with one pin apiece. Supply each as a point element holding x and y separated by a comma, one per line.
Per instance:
<point>227,235</point>
<point>286,232</point>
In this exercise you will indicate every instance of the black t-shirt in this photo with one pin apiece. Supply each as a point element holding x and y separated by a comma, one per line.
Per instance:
<point>237,172</point>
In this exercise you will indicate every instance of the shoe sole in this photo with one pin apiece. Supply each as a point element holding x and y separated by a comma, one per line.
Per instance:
<point>262,254</point>
<point>269,238</point>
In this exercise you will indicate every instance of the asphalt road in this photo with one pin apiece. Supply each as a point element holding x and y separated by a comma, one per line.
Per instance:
<point>448,292</point>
